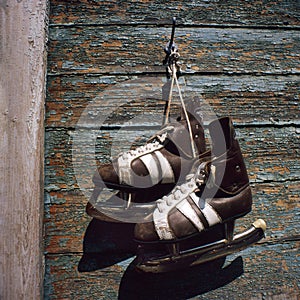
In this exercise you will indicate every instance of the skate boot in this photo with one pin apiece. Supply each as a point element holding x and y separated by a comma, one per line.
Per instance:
<point>200,213</point>
<point>151,171</point>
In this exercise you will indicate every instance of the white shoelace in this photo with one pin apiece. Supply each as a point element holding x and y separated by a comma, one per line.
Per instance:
<point>156,143</point>
<point>193,181</point>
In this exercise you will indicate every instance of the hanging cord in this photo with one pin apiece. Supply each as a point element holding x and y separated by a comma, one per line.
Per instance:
<point>168,105</point>
<point>194,153</point>
<point>173,72</point>
<point>170,62</point>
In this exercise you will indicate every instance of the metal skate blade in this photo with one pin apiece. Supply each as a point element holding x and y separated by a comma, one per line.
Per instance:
<point>195,256</point>
<point>116,206</point>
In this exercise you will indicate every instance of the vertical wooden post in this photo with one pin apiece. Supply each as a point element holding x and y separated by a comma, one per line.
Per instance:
<point>23,31</point>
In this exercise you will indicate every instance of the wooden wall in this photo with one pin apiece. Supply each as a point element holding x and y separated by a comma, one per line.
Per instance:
<point>242,57</point>
<point>23,32</point>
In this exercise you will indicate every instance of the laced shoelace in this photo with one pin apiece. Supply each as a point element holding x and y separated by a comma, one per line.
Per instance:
<point>193,182</point>
<point>156,141</point>
<point>161,135</point>
<point>178,193</point>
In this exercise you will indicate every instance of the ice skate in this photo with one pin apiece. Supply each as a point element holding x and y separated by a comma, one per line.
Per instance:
<point>147,173</point>
<point>195,222</point>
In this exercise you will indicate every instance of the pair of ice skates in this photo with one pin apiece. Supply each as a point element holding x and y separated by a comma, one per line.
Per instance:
<point>188,197</point>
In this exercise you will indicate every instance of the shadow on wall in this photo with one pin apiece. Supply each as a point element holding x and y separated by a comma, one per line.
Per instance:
<point>106,244</point>
<point>182,284</point>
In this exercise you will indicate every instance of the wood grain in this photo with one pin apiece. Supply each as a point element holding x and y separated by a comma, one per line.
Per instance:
<point>209,13</point>
<point>22,94</point>
<point>66,222</point>
<point>105,71</point>
<point>120,281</point>
<point>271,154</point>
<point>247,99</point>
<point>99,49</point>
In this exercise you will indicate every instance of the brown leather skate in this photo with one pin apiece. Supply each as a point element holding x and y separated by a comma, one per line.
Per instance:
<point>216,191</point>
<point>151,171</point>
<point>165,159</point>
<point>194,224</point>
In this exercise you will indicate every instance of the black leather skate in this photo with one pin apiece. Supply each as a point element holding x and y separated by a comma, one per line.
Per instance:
<point>151,171</point>
<point>214,195</point>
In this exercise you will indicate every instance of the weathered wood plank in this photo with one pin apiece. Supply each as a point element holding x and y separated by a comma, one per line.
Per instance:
<point>247,275</point>
<point>66,222</point>
<point>94,47</point>
<point>63,281</point>
<point>22,96</point>
<point>271,154</point>
<point>247,99</point>
<point>98,49</point>
<point>202,12</point>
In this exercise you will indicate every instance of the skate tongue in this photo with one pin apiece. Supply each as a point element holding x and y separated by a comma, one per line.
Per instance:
<point>175,139</point>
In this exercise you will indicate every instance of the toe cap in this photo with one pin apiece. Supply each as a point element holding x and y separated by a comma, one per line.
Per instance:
<point>145,232</point>
<point>105,174</point>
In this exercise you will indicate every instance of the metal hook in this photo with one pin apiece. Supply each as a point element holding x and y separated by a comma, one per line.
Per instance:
<point>170,46</point>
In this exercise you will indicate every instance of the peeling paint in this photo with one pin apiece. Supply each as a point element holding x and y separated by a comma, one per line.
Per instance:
<point>240,58</point>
